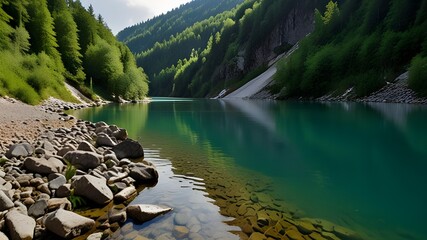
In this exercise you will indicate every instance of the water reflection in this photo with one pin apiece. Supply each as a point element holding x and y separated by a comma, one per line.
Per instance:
<point>194,215</point>
<point>359,165</point>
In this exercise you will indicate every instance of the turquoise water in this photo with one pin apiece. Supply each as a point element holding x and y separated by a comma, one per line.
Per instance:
<point>362,166</point>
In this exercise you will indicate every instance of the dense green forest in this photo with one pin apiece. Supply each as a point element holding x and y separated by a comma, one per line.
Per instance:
<point>144,35</point>
<point>190,63</point>
<point>167,45</point>
<point>361,45</point>
<point>358,44</point>
<point>44,43</point>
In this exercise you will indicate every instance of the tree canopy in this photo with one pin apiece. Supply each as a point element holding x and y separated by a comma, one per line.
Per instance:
<point>44,43</point>
<point>373,43</point>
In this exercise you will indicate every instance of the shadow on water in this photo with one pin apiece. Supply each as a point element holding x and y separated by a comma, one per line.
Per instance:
<point>359,165</point>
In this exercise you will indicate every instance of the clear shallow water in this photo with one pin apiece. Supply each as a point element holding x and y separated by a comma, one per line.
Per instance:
<point>361,166</point>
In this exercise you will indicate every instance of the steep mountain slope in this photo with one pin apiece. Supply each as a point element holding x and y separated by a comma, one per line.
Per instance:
<point>357,47</point>
<point>143,36</point>
<point>217,53</point>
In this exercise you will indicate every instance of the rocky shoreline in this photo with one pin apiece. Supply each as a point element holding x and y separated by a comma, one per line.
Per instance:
<point>393,92</point>
<point>90,165</point>
<point>38,197</point>
<point>397,91</point>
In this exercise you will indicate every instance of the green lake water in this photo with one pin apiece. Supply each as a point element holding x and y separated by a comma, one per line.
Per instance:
<point>362,166</point>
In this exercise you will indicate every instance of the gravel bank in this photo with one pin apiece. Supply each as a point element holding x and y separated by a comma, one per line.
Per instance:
<point>22,122</point>
<point>39,189</point>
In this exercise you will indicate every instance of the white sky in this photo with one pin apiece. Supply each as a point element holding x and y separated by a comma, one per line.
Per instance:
<point>119,14</point>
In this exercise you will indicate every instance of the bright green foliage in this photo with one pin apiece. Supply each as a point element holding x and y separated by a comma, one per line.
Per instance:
<point>86,24</point>
<point>220,41</point>
<point>107,63</point>
<point>371,44</point>
<point>77,201</point>
<point>41,29</point>
<point>132,84</point>
<point>5,29</point>
<point>418,75</point>
<point>143,36</point>
<point>102,63</point>
<point>332,12</point>
<point>40,49</point>
<point>31,78</point>
<point>70,171</point>
<point>166,46</point>
<point>21,40</point>
<point>67,36</point>
<point>17,9</point>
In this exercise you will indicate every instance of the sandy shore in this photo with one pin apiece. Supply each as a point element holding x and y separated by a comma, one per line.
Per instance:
<point>22,122</point>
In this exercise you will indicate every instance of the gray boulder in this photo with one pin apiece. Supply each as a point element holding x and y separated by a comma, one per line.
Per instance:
<point>24,180</point>
<point>57,182</point>
<point>144,174</point>
<point>105,130</point>
<point>20,207</point>
<point>39,165</point>
<point>93,188</point>
<point>83,160</point>
<point>125,194</point>
<point>67,148</point>
<point>20,150</point>
<point>101,124</point>
<point>20,226</point>
<point>117,216</point>
<point>56,163</point>
<point>86,146</point>
<point>104,140</point>
<point>48,146</point>
<point>113,128</point>
<point>5,185</point>
<point>58,203</point>
<point>120,134</point>
<point>38,209</point>
<point>3,236</point>
<point>63,191</point>
<point>5,202</point>
<point>67,224</point>
<point>145,212</point>
<point>128,149</point>
<point>95,236</point>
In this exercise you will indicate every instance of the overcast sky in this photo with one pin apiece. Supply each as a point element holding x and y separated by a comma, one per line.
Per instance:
<point>123,13</point>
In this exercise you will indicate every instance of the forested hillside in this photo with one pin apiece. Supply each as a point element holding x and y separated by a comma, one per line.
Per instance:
<point>144,35</point>
<point>222,51</point>
<point>46,42</point>
<point>166,45</point>
<point>359,45</point>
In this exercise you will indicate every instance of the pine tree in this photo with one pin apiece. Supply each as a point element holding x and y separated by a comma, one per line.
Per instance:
<point>5,29</point>
<point>21,40</point>
<point>86,25</point>
<point>17,9</point>
<point>67,37</point>
<point>41,29</point>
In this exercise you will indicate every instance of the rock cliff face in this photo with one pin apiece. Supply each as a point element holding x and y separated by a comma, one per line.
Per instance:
<point>292,28</point>
<point>295,26</point>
